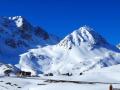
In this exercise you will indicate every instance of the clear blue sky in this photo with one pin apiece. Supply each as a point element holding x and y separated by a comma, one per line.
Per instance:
<point>61,17</point>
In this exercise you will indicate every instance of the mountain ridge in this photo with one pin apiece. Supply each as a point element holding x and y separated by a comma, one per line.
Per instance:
<point>17,36</point>
<point>84,34</point>
<point>77,52</point>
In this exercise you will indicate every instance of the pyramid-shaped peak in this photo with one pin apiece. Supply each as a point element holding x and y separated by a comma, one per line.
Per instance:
<point>84,34</point>
<point>85,27</point>
<point>85,30</point>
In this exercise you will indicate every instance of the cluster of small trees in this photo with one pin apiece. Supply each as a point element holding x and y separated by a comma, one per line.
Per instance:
<point>65,74</point>
<point>70,74</point>
<point>28,74</point>
<point>49,74</point>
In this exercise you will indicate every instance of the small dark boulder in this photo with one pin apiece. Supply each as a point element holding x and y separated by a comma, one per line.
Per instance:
<point>81,73</point>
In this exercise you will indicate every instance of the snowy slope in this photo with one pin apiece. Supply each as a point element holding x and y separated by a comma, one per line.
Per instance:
<point>82,50</point>
<point>107,75</point>
<point>4,67</point>
<point>17,35</point>
<point>118,46</point>
<point>98,77</point>
<point>100,80</point>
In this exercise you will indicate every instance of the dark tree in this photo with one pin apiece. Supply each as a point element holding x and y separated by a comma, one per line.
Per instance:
<point>7,72</point>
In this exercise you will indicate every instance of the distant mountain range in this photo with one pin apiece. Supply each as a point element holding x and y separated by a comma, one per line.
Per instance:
<point>35,50</point>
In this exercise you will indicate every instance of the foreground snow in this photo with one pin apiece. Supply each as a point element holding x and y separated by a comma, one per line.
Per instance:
<point>12,83</point>
<point>98,79</point>
<point>64,86</point>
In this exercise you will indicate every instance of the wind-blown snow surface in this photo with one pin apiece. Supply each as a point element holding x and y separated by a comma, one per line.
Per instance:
<point>82,50</point>
<point>98,77</point>
<point>17,35</point>
<point>100,80</point>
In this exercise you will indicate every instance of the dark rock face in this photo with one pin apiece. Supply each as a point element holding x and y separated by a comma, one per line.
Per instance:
<point>26,27</point>
<point>11,42</point>
<point>26,36</point>
<point>41,33</point>
<point>15,44</point>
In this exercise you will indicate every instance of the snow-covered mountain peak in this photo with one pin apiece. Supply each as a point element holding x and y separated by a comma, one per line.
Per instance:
<point>15,21</point>
<point>17,35</point>
<point>85,28</point>
<point>84,34</point>
<point>82,50</point>
<point>18,20</point>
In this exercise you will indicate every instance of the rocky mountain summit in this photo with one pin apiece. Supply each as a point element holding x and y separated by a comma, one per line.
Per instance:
<point>17,36</point>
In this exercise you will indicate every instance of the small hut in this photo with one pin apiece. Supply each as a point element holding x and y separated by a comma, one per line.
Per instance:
<point>23,74</point>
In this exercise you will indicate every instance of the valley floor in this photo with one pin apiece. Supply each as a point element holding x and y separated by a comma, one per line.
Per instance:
<point>37,83</point>
<point>92,80</point>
